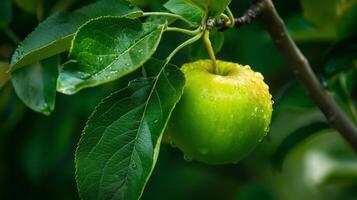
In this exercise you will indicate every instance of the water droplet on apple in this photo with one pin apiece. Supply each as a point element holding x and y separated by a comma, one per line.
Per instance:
<point>259,75</point>
<point>246,67</point>
<point>187,158</point>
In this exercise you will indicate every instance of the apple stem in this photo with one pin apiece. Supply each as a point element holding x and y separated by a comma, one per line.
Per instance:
<point>210,50</point>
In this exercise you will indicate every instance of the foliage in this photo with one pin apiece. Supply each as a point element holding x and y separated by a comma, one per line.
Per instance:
<point>108,48</point>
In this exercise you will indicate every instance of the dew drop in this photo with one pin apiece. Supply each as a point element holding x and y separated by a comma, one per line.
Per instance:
<point>259,75</point>
<point>246,67</point>
<point>187,158</point>
<point>134,166</point>
<point>113,72</point>
<point>156,120</point>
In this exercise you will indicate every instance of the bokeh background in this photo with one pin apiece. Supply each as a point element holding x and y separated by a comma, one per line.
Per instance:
<point>292,163</point>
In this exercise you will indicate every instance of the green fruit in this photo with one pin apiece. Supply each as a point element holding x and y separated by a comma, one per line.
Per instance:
<point>220,117</point>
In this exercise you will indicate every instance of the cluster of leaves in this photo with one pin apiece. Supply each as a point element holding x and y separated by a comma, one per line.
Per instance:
<point>106,41</point>
<point>37,68</point>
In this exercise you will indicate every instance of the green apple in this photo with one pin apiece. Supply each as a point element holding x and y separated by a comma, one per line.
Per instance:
<point>220,117</point>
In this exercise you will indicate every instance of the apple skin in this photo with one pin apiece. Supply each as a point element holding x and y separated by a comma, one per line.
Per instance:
<point>220,117</point>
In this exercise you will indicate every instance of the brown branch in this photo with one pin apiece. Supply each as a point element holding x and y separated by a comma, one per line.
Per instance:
<point>300,65</point>
<point>251,13</point>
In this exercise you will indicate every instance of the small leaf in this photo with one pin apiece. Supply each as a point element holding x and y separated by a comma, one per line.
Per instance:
<point>294,139</point>
<point>5,12</point>
<point>186,9</point>
<point>106,49</point>
<point>54,35</point>
<point>36,84</point>
<point>120,144</point>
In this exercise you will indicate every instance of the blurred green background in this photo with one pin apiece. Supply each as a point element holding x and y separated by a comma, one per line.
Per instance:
<point>37,152</point>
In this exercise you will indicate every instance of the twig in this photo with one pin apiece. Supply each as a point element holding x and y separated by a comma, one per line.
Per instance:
<point>265,9</point>
<point>246,18</point>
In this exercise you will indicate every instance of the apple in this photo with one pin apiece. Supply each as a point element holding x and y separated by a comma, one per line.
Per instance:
<point>220,117</point>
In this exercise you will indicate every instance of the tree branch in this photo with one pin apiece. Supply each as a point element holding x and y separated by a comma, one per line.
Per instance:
<point>254,10</point>
<point>300,65</point>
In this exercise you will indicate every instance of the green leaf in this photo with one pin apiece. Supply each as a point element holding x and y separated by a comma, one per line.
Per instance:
<point>199,51</point>
<point>54,35</point>
<point>106,49</point>
<point>186,9</point>
<point>215,7</point>
<point>120,144</point>
<point>142,3</point>
<point>36,84</point>
<point>5,12</point>
<point>294,139</point>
